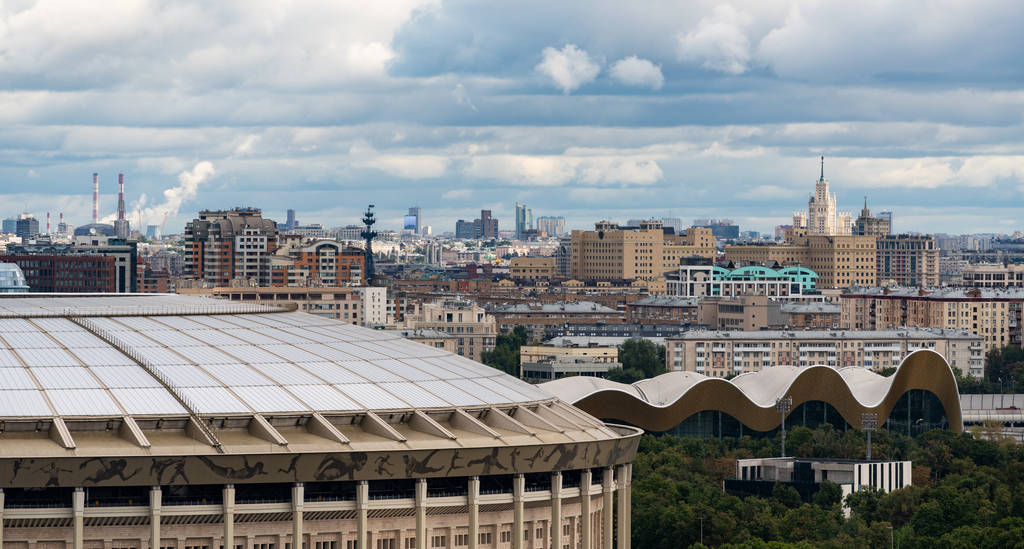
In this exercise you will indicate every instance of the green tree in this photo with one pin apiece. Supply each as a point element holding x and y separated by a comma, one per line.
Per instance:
<point>644,356</point>
<point>828,495</point>
<point>505,355</point>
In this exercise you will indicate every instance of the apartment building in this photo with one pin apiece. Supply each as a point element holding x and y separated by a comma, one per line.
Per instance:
<point>301,261</point>
<point>475,330</point>
<point>839,261</point>
<point>868,225</point>
<point>993,314</point>
<point>813,316</point>
<point>662,310</point>
<point>989,275</point>
<point>538,317</point>
<point>745,312</point>
<point>234,244</point>
<point>789,284</point>
<point>94,263</point>
<point>908,260</point>
<point>640,253</point>
<point>342,304</point>
<point>722,353</point>
<point>532,268</point>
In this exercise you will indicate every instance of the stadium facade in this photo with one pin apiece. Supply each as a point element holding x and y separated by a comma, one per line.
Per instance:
<point>150,421</point>
<point>921,395</point>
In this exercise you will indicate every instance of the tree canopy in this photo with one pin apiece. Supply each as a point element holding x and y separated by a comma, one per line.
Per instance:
<point>640,359</point>
<point>505,355</point>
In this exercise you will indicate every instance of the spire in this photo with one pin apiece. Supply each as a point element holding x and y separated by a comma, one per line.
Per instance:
<point>865,202</point>
<point>822,169</point>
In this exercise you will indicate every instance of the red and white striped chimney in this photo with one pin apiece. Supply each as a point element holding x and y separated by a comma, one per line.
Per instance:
<point>47,222</point>
<point>95,198</point>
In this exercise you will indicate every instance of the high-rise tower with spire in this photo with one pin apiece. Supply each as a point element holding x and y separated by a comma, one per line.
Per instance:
<point>821,216</point>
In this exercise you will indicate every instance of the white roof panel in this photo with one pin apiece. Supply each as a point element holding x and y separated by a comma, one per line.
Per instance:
<point>29,340</point>
<point>415,395</point>
<point>177,322</point>
<point>450,393</point>
<point>141,323</point>
<point>83,402</point>
<point>325,398</point>
<point>291,353</point>
<point>269,399</point>
<point>15,378</point>
<point>326,352</point>
<point>251,354</point>
<point>254,337</point>
<point>287,374</point>
<point>215,400</point>
<point>372,397</point>
<point>135,339</point>
<point>472,387</point>
<point>387,348</point>
<point>187,375</point>
<point>65,378</point>
<point>214,337</point>
<point>371,371</point>
<point>237,375</point>
<point>242,321</point>
<point>125,377</point>
<point>210,321</point>
<point>57,325</point>
<point>102,356</point>
<point>403,370</point>
<point>8,360</point>
<point>522,387</point>
<point>170,338</point>
<point>357,351</point>
<point>24,404</point>
<point>284,336</point>
<point>148,402</point>
<point>159,356</point>
<point>309,333</point>
<point>459,371</point>
<point>47,357</point>
<point>78,340</point>
<point>205,355</point>
<point>9,325</point>
<point>333,373</point>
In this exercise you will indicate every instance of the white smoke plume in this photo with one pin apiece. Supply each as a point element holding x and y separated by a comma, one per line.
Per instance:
<point>174,198</point>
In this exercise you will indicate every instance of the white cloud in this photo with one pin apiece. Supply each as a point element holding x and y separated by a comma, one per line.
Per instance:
<point>768,192</point>
<point>569,68</point>
<point>719,41</point>
<point>637,72</point>
<point>369,59</point>
<point>32,174</point>
<point>405,166</point>
<point>932,172</point>
<point>461,97</point>
<point>245,148</point>
<point>164,165</point>
<point>460,194</point>
<point>717,149</point>
<point>548,171</point>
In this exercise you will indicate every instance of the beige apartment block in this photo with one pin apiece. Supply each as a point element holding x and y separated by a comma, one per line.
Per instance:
<point>840,261</point>
<point>475,331</point>
<point>993,314</point>
<point>993,275</point>
<point>339,303</point>
<point>722,354</point>
<point>532,268</point>
<point>908,260</point>
<point>644,253</point>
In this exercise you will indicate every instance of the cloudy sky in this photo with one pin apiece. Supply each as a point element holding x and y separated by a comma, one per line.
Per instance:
<point>586,109</point>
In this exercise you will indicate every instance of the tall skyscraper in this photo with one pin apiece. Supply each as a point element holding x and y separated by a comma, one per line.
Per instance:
<point>524,220</point>
<point>821,217</point>
<point>887,216</point>
<point>417,218</point>
<point>486,226</point>
<point>553,226</point>
<point>291,223</point>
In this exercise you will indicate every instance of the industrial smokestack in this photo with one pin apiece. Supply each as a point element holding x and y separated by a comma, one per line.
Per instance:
<point>47,222</point>
<point>95,198</point>
<point>121,227</point>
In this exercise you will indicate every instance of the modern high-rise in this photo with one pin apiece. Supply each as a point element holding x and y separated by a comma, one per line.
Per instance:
<point>465,229</point>
<point>553,226</point>
<point>10,225</point>
<point>721,228</point>
<point>486,226</point>
<point>221,246</point>
<point>524,220</point>
<point>27,227</point>
<point>417,215</point>
<point>645,253</point>
<point>887,216</point>
<point>822,217</point>
<point>291,223</point>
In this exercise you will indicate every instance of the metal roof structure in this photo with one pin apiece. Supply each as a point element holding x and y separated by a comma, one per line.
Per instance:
<point>662,402</point>
<point>146,375</point>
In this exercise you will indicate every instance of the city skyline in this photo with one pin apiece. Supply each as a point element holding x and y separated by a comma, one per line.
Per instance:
<point>705,110</point>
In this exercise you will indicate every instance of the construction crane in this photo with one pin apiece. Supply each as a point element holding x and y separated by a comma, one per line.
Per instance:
<point>161,235</point>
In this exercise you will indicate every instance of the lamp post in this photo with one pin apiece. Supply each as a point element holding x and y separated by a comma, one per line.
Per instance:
<point>782,406</point>
<point>869,422</point>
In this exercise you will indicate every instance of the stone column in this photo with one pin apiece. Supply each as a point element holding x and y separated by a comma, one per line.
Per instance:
<point>229,516</point>
<point>624,506</point>
<point>362,502</point>
<point>585,507</point>
<point>556,510</point>
<point>78,507</point>
<point>421,513</point>
<point>518,489</point>
<point>474,511</point>
<point>298,498</point>
<point>155,499</point>
<point>608,487</point>
<point>1,517</point>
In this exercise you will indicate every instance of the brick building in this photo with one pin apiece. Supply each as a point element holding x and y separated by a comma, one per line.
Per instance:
<point>234,244</point>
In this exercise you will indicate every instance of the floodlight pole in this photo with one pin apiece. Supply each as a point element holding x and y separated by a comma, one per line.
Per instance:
<point>782,406</point>
<point>869,422</point>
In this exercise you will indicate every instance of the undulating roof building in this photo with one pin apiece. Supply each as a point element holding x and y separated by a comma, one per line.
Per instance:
<point>921,395</point>
<point>146,421</point>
